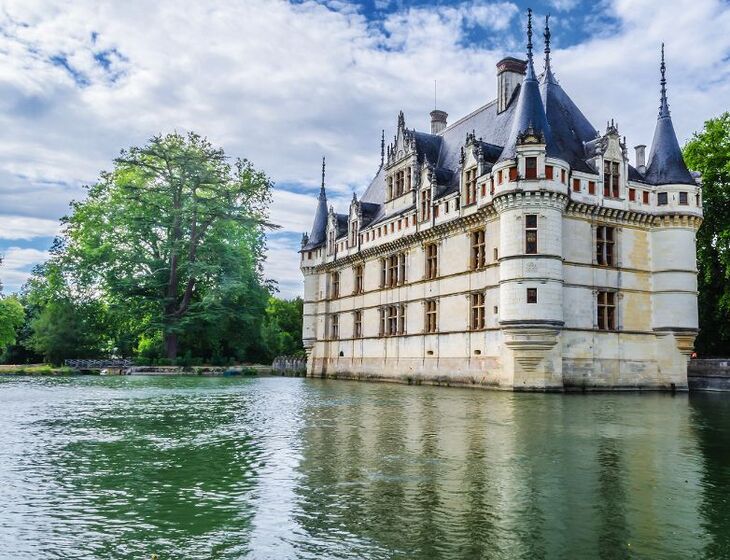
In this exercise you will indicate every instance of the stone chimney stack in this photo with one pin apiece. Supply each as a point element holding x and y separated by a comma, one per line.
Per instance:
<point>438,121</point>
<point>640,158</point>
<point>510,72</point>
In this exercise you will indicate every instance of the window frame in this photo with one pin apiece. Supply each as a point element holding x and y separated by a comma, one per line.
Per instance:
<point>531,245</point>
<point>477,311</point>
<point>470,185</point>
<point>606,246</point>
<point>431,261</point>
<point>478,249</point>
<point>606,310</point>
<point>357,323</point>
<point>431,316</point>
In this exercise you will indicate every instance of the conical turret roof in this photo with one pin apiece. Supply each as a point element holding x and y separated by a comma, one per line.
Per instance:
<point>319,228</point>
<point>529,112</point>
<point>666,164</point>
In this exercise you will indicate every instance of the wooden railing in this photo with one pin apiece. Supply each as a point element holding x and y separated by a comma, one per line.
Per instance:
<point>99,364</point>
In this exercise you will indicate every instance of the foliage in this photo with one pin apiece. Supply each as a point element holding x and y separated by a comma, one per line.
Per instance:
<point>282,329</point>
<point>174,232</point>
<point>12,316</point>
<point>709,153</point>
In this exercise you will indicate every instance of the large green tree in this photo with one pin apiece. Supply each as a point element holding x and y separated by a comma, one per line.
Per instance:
<point>12,316</point>
<point>709,153</point>
<point>173,235</point>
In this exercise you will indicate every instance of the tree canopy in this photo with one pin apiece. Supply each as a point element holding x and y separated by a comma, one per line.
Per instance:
<point>709,153</point>
<point>175,231</point>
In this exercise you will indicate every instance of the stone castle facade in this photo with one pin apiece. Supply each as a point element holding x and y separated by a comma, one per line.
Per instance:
<point>517,248</point>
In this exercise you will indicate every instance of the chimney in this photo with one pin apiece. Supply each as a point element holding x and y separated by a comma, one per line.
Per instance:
<point>510,72</point>
<point>640,158</point>
<point>438,121</point>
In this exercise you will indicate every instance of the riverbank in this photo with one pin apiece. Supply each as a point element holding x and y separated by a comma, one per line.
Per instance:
<point>35,369</point>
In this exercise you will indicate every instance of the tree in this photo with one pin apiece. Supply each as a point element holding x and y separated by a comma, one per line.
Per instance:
<point>163,234</point>
<point>282,328</point>
<point>709,153</point>
<point>12,316</point>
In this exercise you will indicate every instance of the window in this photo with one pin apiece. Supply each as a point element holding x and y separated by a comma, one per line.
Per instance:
<point>335,279</point>
<point>607,311</point>
<point>576,185</point>
<point>499,177</point>
<point>605,239</point>
<point>357,324</point>
<point>425,204</point>
<point>477,311</point>
<point>531,234</point>
<point>562,177</point>
<point>401,268</point>
<point>478,250</point>
<point>591,187</point>
<point>531,295</point>
<point>393,320</point>
<point>512,174</point>
<point>683,198</point>
<point>353,234</point>
<point>383,272</point>
<point>484,190</point>
<point>330,242</point>
<point>358,279</point>
<point>548,171</point>
<point>645,197</point>
<point>436,211</point>
<point>610,179</point>
<point>390,188</point>
<point>392,270</point>
<point>632,195</point>
<point>431,261</point>
<point>661,199</point>
<point>496,254</point>
<point>470,185</point>
<point>431,317</point>
<point>531,168</point>
<point>335,326</point>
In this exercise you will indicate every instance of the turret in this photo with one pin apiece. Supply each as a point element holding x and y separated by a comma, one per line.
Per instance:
<point>319,228</point>
<point>529,113</point>
<point>666,165</point>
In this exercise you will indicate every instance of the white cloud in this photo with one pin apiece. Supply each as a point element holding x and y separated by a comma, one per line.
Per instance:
<point>21,227</point>
<point>282,84</point>
<point>16,266</point>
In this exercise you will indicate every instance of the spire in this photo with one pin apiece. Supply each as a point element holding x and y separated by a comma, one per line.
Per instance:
<point>319,227</point>
<point>530,67</point>
<point>666,164</point>
<point>663,105</point>
<point>382,148</point>
<point>321,191</point>
<point>529,112</point>
<point>548,74</point>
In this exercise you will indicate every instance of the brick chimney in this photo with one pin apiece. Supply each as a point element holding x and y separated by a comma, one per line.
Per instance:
<point>510,72</point>
<point>438,121</point>
<point>640,158</point>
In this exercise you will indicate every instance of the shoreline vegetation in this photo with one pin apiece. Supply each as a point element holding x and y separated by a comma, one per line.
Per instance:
<point>247,370</point>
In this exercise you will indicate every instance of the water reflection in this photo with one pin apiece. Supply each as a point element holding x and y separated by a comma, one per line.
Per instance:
<point>290,468</point>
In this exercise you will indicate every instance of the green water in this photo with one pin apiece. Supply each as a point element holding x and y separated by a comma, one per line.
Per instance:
<point>124,467</point>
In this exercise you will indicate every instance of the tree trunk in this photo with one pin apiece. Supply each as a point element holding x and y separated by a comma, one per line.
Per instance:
<point>171,345</point>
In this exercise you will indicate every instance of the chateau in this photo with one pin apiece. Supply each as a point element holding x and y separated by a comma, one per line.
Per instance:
<point>517,248</point>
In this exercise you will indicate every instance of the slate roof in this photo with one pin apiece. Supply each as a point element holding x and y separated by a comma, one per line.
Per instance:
<point>319,227</point>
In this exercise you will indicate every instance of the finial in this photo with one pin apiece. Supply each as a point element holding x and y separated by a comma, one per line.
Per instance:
<point>382,148</point>
<point>323,166</point>
<point>663,105</point>
<point>546,36</point>
<point>529,34</point>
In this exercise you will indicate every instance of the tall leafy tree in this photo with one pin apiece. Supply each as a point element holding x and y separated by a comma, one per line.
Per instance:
<point>172,232</point>
<point>12,316</point>
<point>709,153</point>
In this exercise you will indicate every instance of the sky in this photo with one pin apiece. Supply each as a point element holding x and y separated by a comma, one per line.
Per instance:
<point>283,83</point>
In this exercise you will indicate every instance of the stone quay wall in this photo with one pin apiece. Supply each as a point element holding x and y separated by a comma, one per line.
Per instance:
<point>709,375</point>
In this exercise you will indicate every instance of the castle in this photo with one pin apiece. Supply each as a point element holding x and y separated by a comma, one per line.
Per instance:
<point>516,248</point>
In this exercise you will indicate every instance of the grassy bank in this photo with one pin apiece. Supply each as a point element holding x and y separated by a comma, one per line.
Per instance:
<point>35,369</point>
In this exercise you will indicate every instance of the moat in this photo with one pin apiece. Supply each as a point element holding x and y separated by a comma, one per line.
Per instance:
<point>127,467</point>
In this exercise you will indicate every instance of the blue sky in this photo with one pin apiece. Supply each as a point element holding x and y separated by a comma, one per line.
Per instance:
<point>283,83</point>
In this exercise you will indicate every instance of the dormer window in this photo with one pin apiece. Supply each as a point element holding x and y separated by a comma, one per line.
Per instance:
<point>353,234</point>
<point>531,168</point>
<point>611,178</point>
<point>425,204</point>
<point>470,185</point>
